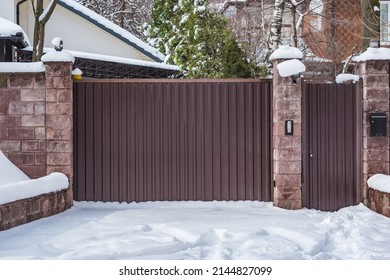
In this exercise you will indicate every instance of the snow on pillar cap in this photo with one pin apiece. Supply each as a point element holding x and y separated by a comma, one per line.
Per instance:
<point>291,67</point>
<point>374,54</point>
<point>286,52</point>
<point>57,56</point>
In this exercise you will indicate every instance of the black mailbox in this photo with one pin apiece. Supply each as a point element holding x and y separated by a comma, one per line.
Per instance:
<point>378,123</point>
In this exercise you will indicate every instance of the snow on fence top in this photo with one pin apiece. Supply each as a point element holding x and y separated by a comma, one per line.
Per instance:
<point>379,182</point>
<point>342,78</point>
<point>15,185</point>
<point>286,52</point>
<point>107,25</point>
<point>22,67</point>
<point>374,54</point>
<point>33,187</point>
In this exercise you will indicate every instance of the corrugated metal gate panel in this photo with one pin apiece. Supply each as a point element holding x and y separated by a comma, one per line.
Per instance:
<point>332,146</point>
<point>172,140</point>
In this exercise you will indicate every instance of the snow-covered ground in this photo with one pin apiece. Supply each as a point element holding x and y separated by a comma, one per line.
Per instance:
<point>200,230</point>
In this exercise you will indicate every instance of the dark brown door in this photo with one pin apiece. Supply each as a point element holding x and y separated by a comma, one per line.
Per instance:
<point>331,145</point>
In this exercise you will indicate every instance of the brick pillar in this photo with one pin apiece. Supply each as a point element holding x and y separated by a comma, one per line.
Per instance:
<point>59,120</point>
<point>375,75</point>
<point>22,121</point>
<point>287,158</point>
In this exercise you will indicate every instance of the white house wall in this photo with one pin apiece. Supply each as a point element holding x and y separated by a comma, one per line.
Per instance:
<point>7,10</point>
<point>78,34</point>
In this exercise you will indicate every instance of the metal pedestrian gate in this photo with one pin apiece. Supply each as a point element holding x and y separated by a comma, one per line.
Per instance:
<point>157,140</point>
<point>332,147</point>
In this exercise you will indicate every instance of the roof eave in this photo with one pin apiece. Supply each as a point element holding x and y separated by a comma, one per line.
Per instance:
<point>16,40</point>
<point>120,37</point>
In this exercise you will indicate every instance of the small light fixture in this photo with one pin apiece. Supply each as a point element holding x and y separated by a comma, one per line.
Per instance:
<point>58,44</point>
<point>286,41</point>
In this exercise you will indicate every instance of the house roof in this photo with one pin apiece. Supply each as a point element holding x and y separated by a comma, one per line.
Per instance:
<point>112,29</point>
<point>13,32</point>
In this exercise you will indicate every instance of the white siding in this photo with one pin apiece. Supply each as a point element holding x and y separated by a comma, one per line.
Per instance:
<point>7,10</point>
<point>78,34</point>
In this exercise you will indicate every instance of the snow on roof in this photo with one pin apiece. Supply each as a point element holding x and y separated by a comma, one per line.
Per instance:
<point>380,182</point>
<point>113,29</point>
<point>342,78</point>
<point>22,67</point>
<point>374,54</point>
<point>57,56</point>
<point>123,60</point>
<point>9,29</point>
<point>115,59</point>
<point>291,67</point>
<point>286,52</point>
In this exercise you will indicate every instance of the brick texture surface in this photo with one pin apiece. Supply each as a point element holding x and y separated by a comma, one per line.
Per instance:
<point>36,125</point>
<point>379,202</point>
<point>375,75</point>
<point>287,160</point>
<point>27,210</point>
<point>59,120</point>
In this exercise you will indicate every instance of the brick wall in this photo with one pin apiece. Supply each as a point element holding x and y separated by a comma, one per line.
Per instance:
<point>22,121</point>
<point>36,121</point>
<point>27,210</point>
<point>379,202</point>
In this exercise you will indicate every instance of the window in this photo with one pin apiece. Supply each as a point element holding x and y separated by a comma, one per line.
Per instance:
<point>384,13</point>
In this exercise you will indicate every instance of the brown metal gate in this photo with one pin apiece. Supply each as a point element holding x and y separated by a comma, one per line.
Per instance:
<point>332,161</point>
<point>155,140</point>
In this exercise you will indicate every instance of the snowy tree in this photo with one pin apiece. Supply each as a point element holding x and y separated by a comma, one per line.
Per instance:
<point>197,40</point>
<point>41,17</point>
<point>128,14</point>
<point>371,21</point>
<point>276,25</point>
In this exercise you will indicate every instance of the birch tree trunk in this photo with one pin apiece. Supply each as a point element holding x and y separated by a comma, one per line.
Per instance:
<point>276,25</point>
<point>294,27</point>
